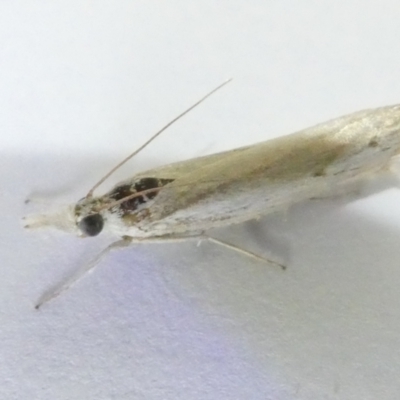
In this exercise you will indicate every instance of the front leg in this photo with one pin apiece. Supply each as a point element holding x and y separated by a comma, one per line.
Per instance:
<point>85,269</point>
<point>127,241</point>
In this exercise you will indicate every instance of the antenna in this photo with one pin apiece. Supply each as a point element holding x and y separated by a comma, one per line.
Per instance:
<point>90,193</point>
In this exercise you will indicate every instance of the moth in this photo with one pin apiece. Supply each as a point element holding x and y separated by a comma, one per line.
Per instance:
<point>187,199</point>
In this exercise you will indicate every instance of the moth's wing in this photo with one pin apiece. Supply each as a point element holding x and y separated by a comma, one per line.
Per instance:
<point>180,168</point>
<point>278,167</point>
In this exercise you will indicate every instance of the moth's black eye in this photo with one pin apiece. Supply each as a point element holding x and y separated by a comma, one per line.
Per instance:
<point>91,225</point>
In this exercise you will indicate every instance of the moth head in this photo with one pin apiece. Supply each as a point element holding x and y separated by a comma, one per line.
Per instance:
<point>80,219</point>
<point>89,215</point>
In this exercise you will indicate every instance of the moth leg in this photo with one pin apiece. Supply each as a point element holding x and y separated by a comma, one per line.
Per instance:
<point>48,199</point>
<point>243,251</point>
<point>127,241</point>
<point>202,236</point>
<point>38,200</point>
<point>85,269</point>
<point>165,239</point>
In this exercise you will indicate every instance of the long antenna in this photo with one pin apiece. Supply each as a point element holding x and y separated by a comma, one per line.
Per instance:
<point>90,194</point>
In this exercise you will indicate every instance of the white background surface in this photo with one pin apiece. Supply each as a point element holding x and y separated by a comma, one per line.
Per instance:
<point>83,83</point>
